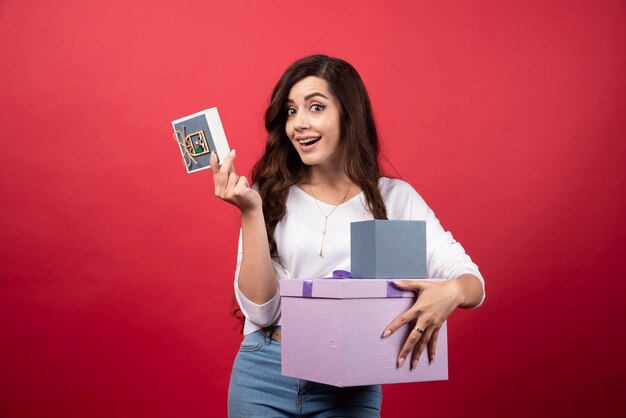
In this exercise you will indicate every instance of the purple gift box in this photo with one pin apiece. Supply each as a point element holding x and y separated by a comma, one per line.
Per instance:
<point>331,333</point>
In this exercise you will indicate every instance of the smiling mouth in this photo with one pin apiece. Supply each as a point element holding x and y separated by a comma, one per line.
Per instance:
<point>309,141</point>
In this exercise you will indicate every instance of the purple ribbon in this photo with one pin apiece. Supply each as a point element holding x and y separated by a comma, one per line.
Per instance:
<point>392,291</point>
<point>307,289</point>
<point>341,274</point>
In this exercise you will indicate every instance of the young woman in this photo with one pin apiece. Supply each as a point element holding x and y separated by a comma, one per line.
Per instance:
<point>319,173</point>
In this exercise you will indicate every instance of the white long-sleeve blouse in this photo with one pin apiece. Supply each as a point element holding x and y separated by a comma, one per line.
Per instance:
<point>299,235</point>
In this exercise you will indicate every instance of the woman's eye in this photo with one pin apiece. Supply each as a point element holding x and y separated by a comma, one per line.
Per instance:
<point>317,108</point>
<point>291,111</point>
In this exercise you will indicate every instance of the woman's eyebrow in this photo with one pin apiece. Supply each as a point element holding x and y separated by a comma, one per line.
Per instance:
<point>313,95</point>
<point>309,96</point>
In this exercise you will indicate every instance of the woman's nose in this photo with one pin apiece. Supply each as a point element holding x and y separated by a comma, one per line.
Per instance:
<point>301,121</point>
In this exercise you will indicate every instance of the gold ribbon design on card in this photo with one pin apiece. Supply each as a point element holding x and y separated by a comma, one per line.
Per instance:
<point>182,142</point>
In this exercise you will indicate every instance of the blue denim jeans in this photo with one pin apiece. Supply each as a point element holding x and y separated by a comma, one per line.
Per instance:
<point>257,389</point>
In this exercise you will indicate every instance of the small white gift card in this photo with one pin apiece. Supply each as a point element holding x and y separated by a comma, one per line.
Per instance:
<point>197,136</point>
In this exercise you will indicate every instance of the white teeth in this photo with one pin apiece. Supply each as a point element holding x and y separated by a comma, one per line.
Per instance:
<point>308,140</point>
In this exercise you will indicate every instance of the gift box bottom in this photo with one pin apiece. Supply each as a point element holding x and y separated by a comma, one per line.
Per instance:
<point>338,342</point>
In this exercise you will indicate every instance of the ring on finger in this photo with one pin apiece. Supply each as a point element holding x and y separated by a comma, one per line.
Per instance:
<point>418,329</point>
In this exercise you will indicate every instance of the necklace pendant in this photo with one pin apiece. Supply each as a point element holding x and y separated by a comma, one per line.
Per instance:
<point>324,214</point>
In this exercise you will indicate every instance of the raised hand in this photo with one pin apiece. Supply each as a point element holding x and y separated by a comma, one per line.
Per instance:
<point>231,187</point>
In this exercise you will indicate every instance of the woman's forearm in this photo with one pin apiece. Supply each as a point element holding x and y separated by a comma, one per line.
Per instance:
<point>470,290</point>
<point>257,277</point>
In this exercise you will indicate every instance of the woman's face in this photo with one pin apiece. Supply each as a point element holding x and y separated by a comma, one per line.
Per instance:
<point>313,116</point>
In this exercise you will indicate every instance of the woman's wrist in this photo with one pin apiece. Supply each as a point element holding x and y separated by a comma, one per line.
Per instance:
<point>456,290</point>
<point>252,213</point>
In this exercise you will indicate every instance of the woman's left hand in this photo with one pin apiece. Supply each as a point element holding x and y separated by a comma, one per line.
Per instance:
<point>435,302</point>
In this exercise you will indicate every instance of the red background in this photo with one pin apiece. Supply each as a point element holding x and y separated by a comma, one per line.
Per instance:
<point>116,267</point>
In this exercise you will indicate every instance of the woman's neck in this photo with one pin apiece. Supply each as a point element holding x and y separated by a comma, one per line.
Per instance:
<point>325,178</point>
<point>331,173</point>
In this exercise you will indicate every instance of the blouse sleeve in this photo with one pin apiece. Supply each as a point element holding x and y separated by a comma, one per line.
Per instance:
<point>445,257</point>
<point>260,315</point>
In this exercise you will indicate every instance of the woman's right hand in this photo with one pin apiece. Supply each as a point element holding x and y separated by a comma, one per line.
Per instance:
<point>232,188</point>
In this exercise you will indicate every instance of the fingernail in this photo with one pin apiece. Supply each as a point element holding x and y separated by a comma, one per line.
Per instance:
<point>414,364</point>
<point>397,283</point>
<point>233,152</point>
<point>401,362</point>
<point>386,333</point>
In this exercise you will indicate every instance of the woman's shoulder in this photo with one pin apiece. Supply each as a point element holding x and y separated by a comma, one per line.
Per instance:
<point>400,195</point>
<point>395,186</point>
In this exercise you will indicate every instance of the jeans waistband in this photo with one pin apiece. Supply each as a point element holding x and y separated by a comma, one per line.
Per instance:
<point>273,332</point>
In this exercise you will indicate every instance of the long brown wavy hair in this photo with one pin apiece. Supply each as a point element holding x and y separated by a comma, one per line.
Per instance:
<point>280,167</point>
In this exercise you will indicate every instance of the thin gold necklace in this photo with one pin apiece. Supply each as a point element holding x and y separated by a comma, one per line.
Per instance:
<point>326,216</point>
